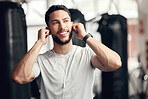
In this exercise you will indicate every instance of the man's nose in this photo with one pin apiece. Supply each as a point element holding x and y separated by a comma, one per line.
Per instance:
<point>62,25</point>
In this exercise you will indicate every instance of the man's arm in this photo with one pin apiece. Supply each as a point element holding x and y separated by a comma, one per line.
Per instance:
<point>105,58</point>
<point>22,72</point>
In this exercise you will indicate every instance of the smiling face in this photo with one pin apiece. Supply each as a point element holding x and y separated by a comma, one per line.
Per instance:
<point>60,26</point>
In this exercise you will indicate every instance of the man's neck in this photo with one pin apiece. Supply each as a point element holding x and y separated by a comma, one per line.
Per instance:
<point>62,49</point>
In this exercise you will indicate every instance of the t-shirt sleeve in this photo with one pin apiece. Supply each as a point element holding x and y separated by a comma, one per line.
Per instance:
<point>91,54</point>
<point>36,69</point>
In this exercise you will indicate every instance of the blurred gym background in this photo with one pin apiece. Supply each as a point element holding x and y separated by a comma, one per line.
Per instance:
<point>121,25</point>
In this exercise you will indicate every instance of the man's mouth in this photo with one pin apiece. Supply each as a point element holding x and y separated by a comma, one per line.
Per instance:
<point>63,32</point>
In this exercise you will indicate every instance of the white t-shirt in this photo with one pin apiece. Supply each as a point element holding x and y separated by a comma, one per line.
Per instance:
<point>69,76</point>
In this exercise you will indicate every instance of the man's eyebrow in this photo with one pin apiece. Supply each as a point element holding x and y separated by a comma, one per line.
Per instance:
<point>54,20</point>
<point>58,20</point>
<point>65,18</point>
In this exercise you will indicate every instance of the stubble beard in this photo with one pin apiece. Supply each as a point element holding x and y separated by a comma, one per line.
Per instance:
<point>58,41</point>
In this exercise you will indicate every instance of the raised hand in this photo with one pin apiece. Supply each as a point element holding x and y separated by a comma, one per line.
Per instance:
<point>43,34</point>
<point>79,29</point>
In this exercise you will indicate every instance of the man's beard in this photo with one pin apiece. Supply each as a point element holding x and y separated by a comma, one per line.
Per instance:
<point>58,41</point>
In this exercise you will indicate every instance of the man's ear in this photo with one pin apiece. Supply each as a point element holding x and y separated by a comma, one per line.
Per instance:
<point>48,29</point>
<point>72,24</point>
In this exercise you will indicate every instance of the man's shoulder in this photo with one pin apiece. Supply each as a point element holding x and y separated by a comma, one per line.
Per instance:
<point>45,54</point>
<point>80,48</point>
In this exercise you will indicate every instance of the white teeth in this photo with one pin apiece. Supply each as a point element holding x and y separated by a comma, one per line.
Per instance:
<point>63,33</point>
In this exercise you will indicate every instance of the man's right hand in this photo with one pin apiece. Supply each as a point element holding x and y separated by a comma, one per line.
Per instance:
<point>22,73</point>
<point>43,34</point>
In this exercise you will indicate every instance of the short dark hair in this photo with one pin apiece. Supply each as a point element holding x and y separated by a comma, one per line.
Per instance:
<point>54,8</point>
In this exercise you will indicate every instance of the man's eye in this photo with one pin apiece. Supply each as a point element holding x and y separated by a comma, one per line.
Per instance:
<point>66,20</point>
<point>55,23</point>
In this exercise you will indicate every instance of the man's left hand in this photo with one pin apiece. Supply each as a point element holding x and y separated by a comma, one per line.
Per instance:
<point>79,30</point>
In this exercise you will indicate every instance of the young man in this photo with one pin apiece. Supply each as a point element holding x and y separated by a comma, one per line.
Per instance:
<point>66,71</point>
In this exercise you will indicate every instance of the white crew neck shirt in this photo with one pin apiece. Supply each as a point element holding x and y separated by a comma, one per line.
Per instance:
<point>69,76</point>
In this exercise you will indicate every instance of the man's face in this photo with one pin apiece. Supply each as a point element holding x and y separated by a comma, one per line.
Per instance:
<point>60,26</point>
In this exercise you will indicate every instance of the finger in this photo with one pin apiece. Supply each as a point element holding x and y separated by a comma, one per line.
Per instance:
<point>49,30</point>
<point>75,28</point>
<point>47,33</point>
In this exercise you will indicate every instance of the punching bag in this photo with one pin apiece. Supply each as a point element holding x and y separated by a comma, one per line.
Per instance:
<point>13,42</point>
<point>113,29</point>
